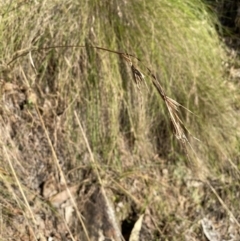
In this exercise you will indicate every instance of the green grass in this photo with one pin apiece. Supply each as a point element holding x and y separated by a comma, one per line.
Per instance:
<point>129,131</point>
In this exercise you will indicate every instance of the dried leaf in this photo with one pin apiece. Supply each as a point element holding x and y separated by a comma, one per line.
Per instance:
<point>135,234</point>
<point>63,196</point>
<point>209,230</point>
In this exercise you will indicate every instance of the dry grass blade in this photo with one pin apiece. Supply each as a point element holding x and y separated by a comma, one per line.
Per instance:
<point>224,204</point>
<point>21,190</point>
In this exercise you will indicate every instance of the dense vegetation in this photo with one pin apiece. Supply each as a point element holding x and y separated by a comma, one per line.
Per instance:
<point>72,114</point>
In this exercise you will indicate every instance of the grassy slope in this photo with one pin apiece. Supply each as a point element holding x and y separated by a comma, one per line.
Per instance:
<point>129,131</point>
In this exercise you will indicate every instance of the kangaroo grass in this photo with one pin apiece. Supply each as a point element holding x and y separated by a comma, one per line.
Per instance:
<point>138,77</point>
<point>172,106</point>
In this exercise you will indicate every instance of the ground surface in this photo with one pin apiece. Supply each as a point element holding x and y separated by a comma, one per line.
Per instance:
<point>26,128</point>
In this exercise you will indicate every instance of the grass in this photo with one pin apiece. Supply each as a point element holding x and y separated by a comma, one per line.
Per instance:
<point>128,121</point>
